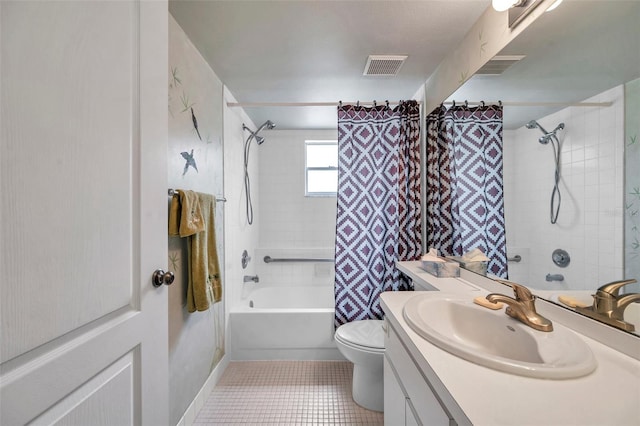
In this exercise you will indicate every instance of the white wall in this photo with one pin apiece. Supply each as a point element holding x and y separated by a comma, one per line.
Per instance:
<point>632,183</point>
<point>239,235</point>
<point>590,223</point>
<point>292,225</point>
<point>196,340</point>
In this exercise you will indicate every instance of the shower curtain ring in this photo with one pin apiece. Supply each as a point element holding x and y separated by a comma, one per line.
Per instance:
<point>482,102</point>
<point>454,103</point>
<point>374,103</point>
<point>357,103</point>
<point>499,103</point>
<point>466,103</point>
<point>339,104</point>
<point>387,102</point>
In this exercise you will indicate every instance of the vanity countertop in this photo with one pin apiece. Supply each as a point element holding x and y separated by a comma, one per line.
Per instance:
<point>608,396</point>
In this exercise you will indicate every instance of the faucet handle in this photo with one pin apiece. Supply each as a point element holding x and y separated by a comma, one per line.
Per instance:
<point>614,287</point>
<point>521,292</point>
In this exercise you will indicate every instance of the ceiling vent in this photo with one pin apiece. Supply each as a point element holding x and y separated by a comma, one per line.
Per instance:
<point>384,65</point>
<point>499,64</point>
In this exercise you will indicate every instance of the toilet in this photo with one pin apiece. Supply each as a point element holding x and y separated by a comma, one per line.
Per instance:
<point>362,343</point>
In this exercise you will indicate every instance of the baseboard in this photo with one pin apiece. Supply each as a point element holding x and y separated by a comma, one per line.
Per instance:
<point>196,405</point>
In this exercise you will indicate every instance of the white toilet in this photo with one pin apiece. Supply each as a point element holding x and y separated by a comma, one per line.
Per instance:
<point>362,343</point>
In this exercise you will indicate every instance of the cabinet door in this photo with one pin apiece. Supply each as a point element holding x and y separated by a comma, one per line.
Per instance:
<point>83,190</point>
<point>394,398</point>
<point>426,404</point>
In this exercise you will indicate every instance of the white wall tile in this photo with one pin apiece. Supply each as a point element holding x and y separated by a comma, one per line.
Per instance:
<point>590,224</point>
<point>293,225</point>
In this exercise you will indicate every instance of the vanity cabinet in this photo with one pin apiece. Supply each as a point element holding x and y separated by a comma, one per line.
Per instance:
<point>408,398</point>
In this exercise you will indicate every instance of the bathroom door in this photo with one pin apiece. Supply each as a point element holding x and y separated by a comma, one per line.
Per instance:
<point>83,212</point>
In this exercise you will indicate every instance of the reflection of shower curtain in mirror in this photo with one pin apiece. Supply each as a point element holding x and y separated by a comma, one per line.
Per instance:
<point>465,203</point>
<point>378,218</point>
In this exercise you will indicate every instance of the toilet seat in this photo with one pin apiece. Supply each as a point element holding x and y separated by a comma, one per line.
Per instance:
<point>367,335</point>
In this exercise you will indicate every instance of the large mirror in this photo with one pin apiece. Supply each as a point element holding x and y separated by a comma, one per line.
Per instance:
<point>584,52</point>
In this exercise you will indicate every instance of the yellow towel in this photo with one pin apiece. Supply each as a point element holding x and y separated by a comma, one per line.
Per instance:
<point>204,268</point>
<point>185,214</point>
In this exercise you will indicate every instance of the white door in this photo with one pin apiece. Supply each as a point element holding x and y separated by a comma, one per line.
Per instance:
<point>83,212</point>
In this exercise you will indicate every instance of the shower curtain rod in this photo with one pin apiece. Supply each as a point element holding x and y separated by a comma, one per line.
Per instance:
<point>335,104</point>
<point>532,104</point>
<point>308,104</point>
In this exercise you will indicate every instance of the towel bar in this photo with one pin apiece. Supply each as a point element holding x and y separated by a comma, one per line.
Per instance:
<point>173,192</point>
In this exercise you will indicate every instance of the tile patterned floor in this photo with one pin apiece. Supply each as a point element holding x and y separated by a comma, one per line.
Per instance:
<point>285,393</point>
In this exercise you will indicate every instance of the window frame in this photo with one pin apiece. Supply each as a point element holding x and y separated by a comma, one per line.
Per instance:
<point>307,143</point>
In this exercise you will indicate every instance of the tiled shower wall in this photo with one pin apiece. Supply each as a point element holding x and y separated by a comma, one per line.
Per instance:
<point>292,225</point>
<point>590,223</point>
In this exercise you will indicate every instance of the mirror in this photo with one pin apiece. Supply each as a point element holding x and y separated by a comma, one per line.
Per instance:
<point>584,51</point>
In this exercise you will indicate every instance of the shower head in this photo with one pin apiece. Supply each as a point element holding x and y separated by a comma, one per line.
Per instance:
<point>259,139</point>
<point>268,124</point>
<point>544,139</point>
<point>546,136</point>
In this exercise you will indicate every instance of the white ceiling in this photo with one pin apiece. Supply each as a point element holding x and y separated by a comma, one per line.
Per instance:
<point>316,50</point>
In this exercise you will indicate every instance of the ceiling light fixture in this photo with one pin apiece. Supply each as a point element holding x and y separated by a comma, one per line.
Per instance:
<point>554,5</point>
<point>502,5</point>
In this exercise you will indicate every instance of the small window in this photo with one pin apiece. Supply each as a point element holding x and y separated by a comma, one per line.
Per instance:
<point>321,168</point>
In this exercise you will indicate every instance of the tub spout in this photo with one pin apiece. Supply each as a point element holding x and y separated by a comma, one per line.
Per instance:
<point>555,277</point>
<point>249,278</point>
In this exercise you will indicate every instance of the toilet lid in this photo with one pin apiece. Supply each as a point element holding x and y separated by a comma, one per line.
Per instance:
<point>367,333</point>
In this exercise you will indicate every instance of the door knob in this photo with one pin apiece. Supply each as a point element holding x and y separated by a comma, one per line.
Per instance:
<point>161,277</point>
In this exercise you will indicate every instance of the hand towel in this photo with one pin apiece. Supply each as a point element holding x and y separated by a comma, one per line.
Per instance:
<point>204,267</point>
<point>185,214</point>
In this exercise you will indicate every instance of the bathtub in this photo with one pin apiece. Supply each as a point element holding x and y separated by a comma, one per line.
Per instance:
<point>293,322</point>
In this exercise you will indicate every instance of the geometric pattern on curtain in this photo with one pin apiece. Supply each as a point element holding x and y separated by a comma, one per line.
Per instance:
<point>378,219</point>
<point>465,198</point>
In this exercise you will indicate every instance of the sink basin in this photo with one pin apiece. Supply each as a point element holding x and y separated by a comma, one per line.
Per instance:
<point>495,340</point>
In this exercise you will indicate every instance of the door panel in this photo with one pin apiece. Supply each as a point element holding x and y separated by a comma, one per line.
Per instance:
<point>83,213</point>
<point>110,394</point>
<point>67,117</point>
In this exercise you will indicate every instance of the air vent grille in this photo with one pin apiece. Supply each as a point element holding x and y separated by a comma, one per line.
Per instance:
<point>499,64</point>
<point>384,65</point>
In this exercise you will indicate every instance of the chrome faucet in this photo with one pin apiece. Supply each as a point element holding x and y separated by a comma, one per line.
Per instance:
<point>608,306</point>
<point>249,278</point>
<point>522,307</point>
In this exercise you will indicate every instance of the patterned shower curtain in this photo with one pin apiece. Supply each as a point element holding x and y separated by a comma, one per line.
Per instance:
<point>465,203</point>
<point>379,213</point>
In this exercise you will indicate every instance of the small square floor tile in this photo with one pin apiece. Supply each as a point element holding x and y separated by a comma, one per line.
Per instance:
<point>285,393</point>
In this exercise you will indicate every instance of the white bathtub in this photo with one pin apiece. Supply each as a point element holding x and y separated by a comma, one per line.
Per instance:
<point>293,322</point>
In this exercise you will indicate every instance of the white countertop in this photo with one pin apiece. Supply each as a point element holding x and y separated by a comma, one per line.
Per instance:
<point>608,396</point>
